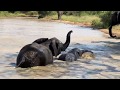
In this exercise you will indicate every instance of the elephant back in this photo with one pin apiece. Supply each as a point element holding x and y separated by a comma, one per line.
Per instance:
<point>34,55</point>
<point>67,57</point>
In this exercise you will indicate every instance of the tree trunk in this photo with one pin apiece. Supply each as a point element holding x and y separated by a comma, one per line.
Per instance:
<point>59,14</point>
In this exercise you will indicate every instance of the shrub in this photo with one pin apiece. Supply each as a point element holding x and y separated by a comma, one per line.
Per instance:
<point>105,19</point>
<point>97,23</point>
<point>32,13</point>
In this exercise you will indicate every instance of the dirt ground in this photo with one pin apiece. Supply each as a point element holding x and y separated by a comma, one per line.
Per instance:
<point>114,31</point>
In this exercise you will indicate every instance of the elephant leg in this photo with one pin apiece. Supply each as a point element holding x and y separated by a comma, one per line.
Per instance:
<point>110,31</point>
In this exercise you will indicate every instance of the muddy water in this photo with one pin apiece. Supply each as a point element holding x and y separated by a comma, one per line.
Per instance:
<point>17,32</point>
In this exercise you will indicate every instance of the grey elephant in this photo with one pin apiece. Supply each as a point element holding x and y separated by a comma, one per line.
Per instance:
<point>41,52</point>
<point>115,20</point>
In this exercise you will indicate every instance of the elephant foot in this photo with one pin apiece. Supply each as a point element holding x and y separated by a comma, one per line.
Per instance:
<point>113,36</point>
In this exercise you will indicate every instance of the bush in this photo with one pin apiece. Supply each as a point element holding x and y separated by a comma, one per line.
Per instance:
<point>105,18</point>
<point>4,13</point>
<point>43,14</point>
<point>32,13</point>
<point>97,23</point>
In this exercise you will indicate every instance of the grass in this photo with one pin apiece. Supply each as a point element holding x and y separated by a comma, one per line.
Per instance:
<point>87,19</point>
<point>93,20</point>
<point>4,14</point>
<point>84,19</point>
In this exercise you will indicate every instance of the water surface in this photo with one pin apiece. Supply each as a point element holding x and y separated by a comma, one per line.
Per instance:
<point>15,33</point>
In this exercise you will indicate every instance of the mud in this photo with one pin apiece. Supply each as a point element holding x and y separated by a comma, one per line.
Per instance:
<point>17,32</point>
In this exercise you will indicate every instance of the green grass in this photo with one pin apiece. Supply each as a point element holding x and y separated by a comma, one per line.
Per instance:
<point>97,20</point>
<point>80,19</point>
<point>4,14</point>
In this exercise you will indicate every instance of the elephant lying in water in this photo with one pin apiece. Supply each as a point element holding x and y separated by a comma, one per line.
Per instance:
<point>75,54</point>
<point>115,20</point>
<point>41,52</point>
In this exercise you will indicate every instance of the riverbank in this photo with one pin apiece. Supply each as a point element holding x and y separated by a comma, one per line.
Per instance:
<point>115,30</point>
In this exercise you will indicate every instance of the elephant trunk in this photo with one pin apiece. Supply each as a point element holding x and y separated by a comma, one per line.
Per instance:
<point>66,44</point>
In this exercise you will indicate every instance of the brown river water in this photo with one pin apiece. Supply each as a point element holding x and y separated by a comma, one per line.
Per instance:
<point>17,32</point>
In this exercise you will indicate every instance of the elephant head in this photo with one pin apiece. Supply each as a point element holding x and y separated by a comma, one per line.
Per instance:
<point>115,19</point>
<point>55,45</point>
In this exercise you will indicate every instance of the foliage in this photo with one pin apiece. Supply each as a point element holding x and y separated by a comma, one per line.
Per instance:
<point>104,20</point>
<point>98,19</point>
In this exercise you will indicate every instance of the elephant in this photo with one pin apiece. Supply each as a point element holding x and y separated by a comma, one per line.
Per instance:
<point>74,54</point>
<point>55,45</point>
<point>34,55</point>
<point>115,20</point>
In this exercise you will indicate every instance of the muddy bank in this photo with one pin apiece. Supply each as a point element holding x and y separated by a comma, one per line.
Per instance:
<point>114,32</point>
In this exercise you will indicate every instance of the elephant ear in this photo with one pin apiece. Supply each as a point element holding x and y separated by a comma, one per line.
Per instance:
<point>54,48</point>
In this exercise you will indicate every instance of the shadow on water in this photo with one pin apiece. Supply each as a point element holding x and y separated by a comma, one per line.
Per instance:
<point>111,45</point>
<point>11,58</point>
<point>99,49</point>
<point>91,68</point>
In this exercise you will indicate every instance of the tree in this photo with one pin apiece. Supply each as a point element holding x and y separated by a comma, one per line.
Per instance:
<point>42,14</point>
<point>60,13</point>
